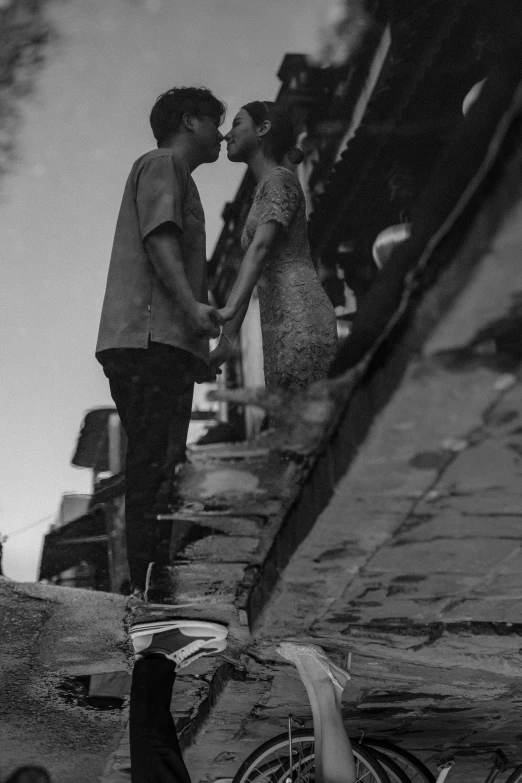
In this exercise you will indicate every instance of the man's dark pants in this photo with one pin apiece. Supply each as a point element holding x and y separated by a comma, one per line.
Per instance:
<point>154,747</point>
<point>152,389</point>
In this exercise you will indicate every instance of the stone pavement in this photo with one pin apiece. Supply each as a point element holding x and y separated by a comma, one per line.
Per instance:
<point>422,577</point>
<point>414,566</point>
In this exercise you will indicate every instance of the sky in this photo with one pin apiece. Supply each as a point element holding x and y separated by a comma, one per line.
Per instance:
<point>81,129</point>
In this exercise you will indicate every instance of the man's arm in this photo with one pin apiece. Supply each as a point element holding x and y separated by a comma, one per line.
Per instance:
<point>163,249</point>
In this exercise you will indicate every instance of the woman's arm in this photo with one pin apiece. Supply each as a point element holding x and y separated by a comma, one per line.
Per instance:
<point>232,327</point>
<point>249,272</point>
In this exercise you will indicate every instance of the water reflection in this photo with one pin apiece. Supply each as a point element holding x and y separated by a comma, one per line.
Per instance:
<point>391,195</point>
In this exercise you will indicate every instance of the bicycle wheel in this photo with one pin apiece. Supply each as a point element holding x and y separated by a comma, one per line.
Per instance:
<point>516,776</point>
<point>410,764</point>
<point>392,769</point>
<point>273,762</point>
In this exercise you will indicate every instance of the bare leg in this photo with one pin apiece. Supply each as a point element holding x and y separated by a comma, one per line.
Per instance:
<point>334,761</point>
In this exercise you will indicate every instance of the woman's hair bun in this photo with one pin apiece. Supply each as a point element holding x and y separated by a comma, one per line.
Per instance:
<point>280,139</point>
<point>295,156</point>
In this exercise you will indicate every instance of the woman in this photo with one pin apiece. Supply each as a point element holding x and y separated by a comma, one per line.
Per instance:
<point>324,683</point>
<point>298,321</point>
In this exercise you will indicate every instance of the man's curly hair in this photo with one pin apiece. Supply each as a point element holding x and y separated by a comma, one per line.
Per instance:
<point>167,112</point>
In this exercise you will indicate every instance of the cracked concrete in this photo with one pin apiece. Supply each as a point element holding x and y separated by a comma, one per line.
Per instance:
<point>49,635</point>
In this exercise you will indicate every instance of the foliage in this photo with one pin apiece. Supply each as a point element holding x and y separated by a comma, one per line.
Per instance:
<point>24,33</point>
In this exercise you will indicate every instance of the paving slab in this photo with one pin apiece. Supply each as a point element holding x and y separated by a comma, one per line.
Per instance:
<point>489,465</point>
<point>451,523</point>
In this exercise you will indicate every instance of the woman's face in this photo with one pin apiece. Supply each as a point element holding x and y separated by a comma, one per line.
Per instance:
<point>242,139</point>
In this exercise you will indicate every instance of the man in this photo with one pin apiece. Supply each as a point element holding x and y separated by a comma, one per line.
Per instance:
<point>156,322</point>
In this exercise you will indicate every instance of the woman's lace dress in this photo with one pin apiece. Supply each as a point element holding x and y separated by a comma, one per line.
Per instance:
<point>298,321</point>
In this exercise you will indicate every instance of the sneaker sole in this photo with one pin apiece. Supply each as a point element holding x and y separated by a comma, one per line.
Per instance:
<point>195,627</point>
<point>149,604</point>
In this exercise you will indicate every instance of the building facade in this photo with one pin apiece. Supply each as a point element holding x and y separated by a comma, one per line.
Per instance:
<point>86,546</point>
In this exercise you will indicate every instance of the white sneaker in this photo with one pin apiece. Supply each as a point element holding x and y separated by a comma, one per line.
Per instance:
<point>181,641</point>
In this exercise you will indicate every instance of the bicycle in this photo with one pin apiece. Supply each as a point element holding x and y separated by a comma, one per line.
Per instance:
<point>270,763</point>
<point>290,758</point>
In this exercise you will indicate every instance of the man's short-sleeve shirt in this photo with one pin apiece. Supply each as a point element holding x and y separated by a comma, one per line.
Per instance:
<point>137,306</point>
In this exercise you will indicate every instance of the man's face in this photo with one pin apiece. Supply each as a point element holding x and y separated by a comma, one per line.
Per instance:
<point>207,138</point>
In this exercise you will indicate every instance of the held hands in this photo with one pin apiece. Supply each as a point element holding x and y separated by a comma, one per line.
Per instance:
<point>226,313</point>
<point>205,320</point>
